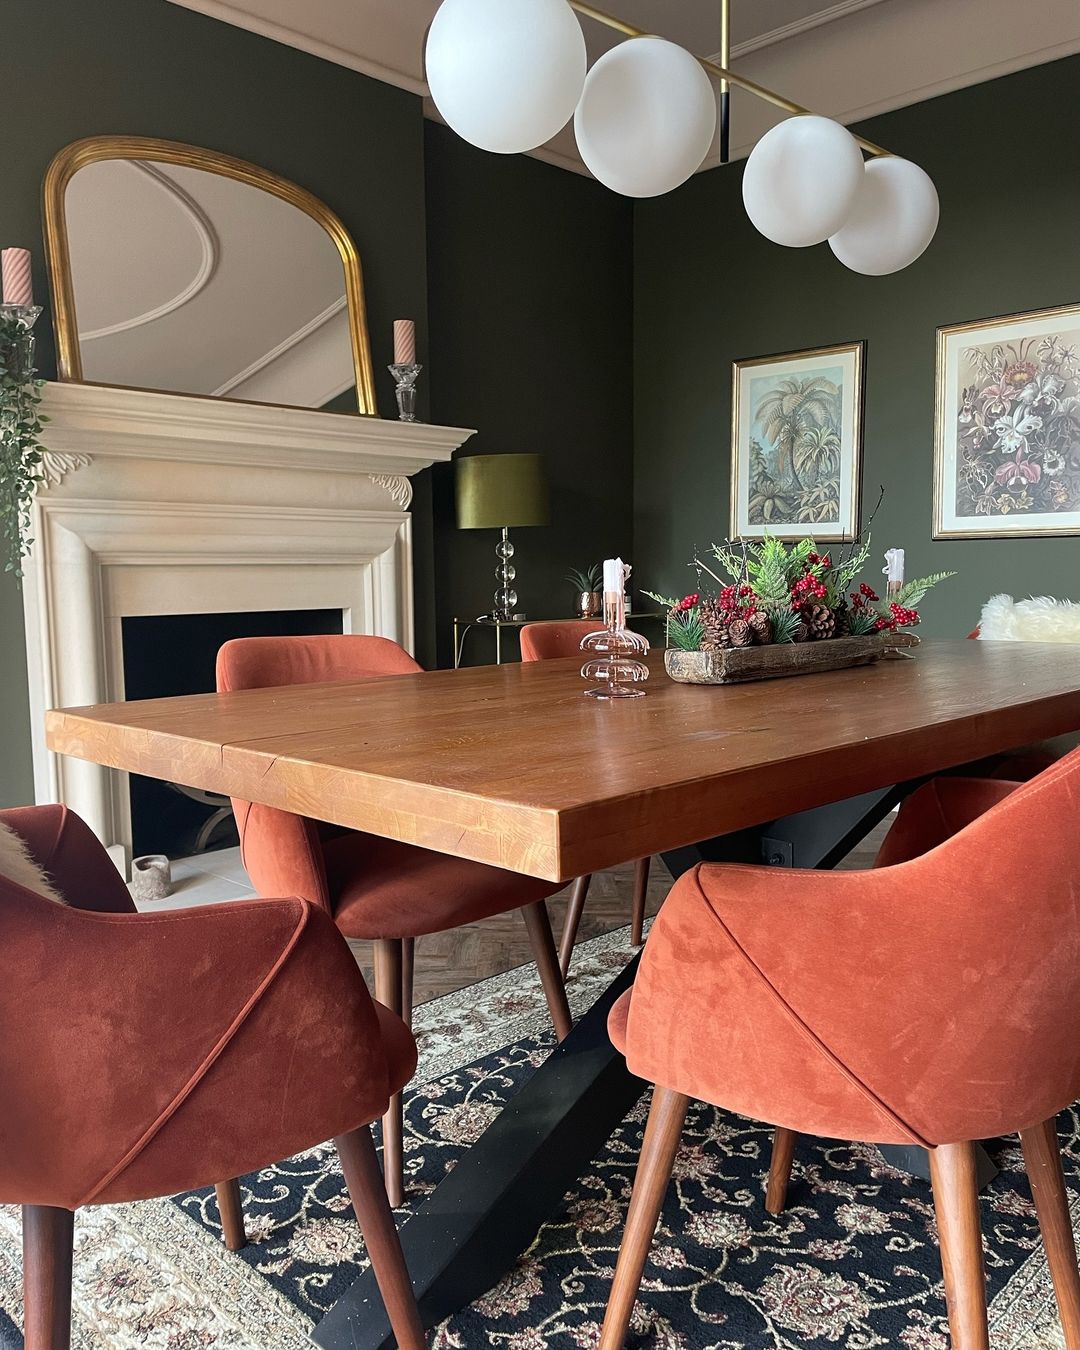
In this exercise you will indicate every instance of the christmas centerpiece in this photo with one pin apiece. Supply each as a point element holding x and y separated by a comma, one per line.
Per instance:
<point>787,609</point>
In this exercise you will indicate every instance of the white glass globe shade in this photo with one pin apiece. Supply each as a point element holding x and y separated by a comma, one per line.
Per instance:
<point>506,74</point>
<point>893,219</point>
<point>801,180</point>
<point>646,117</point>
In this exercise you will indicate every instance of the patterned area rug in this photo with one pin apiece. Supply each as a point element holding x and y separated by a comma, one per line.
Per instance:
<point>853,1262</point>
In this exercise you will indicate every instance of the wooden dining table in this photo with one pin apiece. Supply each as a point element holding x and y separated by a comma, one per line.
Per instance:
<point>511,765</point>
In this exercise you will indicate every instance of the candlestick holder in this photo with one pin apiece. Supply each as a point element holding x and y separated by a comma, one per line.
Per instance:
<point>613,663</point>
<point>405,376</point>
<point>17,341</point>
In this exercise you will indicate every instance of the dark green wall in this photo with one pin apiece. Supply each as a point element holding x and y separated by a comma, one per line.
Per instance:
<point>530,312</point>
<point>150,68</point>
<point>708,290</point>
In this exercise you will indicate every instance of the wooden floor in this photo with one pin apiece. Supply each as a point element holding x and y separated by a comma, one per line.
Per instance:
<point>446,962</point>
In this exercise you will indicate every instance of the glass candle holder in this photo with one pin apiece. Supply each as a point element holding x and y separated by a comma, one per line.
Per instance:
<point>405,377</point>
<point>17,341</point>
<point>614,666</point>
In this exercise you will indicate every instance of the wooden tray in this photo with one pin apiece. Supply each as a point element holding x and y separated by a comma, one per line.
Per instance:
<point>736,665</point>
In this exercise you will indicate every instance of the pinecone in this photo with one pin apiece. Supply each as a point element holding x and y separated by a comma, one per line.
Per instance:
<point>761,627</point>
<point>821,621</point>
<point>714,622</point>
<point>802,632</point>
<point>843,621</point>
<point>740,633</point>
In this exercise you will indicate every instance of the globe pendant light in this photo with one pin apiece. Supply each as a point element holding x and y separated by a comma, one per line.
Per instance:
<point>506,75</point>
<point>801,180</point>
<point>646,117</point>
<point>893,219</point>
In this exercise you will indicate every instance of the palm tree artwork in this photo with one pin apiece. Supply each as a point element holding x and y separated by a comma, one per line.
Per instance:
<point>796,448</point>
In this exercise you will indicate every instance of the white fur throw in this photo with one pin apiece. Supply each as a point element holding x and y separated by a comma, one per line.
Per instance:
<point>1040,619</point>
<point>17,865</point>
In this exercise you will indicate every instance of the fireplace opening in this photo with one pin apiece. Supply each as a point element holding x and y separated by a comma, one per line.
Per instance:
<point>168,654</point>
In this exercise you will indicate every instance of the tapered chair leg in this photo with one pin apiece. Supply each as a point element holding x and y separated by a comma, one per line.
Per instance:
<point>658,1149</point>
<point>956,1203</point>
<point>547,964</point>
<point>408,953</point>
<point>570,924</point>
<point>1043,1158</point>
<point>231,1208</point>
<point>783,1155</point>
<point>637,908</point>
<point>388,990</point>
<point>361,1168</point>
<point>48,1235</point>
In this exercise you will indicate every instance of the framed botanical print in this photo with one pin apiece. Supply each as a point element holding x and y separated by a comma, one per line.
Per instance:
<point>796,444</point>
<point>1007,433</point>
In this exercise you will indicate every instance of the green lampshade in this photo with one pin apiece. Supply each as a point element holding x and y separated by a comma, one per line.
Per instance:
<point>498,490</point>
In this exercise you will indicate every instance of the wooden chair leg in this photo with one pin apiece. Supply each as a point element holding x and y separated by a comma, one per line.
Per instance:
<point>231,1208</point>
<point>570,924</point>
<point>637,907</point>
<point>408,952</point>
<point>388,990</point>
<point>48,1235</point>
<point>956,1203</point>
<point>361,1168</point>
<point>666,1117</point>
<point>1043,1158</point>
<point>783,1155</point>
<point>547,963</point>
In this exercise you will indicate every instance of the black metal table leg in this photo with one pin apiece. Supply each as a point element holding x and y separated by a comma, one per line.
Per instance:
<point>474,1225</point>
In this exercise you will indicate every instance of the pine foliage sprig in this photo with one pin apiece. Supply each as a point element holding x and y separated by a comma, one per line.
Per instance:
<point>862,621</point>
<point>913,591</point>
<point>685,630</point>
<point>785,623</point>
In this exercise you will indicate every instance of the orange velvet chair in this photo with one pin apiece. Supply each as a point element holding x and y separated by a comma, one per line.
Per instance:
<point>562,639</point>
<point>376,889</point>
<point>933,1000</point>
<point>147,1054</point>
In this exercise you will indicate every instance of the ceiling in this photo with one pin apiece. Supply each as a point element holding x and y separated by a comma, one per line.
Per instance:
<point>848,59</point>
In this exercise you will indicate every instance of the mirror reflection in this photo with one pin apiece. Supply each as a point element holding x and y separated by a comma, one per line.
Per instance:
<point>194,282</point>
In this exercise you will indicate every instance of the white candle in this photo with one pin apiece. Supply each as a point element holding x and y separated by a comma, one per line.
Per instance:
<point>613,576</point>
<point>894,567</point>
<point>404,342</point>
<point>15,274</point>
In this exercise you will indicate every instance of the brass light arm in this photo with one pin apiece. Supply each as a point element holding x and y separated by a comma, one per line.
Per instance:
<point>721,72</point>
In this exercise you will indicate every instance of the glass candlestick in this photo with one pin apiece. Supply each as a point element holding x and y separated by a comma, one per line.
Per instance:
<point>17,341</point>
<point>613,664</point>
<point>405,377</point>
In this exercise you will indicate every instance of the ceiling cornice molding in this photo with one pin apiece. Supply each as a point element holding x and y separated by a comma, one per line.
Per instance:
<point>841,10</point>
<point>292,37</point>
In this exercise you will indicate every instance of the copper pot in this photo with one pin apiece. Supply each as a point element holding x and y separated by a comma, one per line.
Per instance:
<point>590,604</point>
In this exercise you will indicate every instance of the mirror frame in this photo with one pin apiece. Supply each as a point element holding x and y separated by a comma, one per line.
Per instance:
<point>93,149</point>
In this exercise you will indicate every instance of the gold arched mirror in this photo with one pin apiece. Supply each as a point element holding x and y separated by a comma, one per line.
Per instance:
<point>182,269</point>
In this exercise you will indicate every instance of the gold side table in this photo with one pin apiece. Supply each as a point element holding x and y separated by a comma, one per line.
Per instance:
<point>462,626</point>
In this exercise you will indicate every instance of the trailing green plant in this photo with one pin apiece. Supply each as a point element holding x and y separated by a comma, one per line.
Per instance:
<point>20,446</point>
<point>585,579</point>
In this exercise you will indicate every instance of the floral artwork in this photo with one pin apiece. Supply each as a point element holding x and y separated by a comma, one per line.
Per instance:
<point>1008,434</point>
<point>796,443</point>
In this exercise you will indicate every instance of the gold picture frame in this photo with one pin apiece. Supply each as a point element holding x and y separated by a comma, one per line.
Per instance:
<point>1006,436</point>
<point>91,150</point>
<point>812,404</point>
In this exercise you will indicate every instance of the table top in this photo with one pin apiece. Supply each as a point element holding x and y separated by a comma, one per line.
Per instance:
<point>512,765</point>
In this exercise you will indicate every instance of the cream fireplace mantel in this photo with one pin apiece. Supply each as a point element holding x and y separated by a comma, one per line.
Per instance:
<point>170,504</point>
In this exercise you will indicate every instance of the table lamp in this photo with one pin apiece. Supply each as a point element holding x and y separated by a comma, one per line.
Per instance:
<point>495,492</point>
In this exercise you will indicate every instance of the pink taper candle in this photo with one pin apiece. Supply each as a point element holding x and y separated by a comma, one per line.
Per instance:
<point>404,342</point>
<point>15,270</point>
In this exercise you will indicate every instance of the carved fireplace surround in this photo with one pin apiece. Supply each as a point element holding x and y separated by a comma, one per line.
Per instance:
<point>170,504</point>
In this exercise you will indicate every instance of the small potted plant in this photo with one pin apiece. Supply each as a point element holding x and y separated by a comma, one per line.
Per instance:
<point>588,599</point>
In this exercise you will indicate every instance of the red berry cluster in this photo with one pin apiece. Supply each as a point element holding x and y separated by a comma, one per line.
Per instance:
<point>738,602</point>
<point>819,560</point>
<point>807,589</point>
<point>899,617</point>
<point>688,602</point>
<point>860,597</point>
